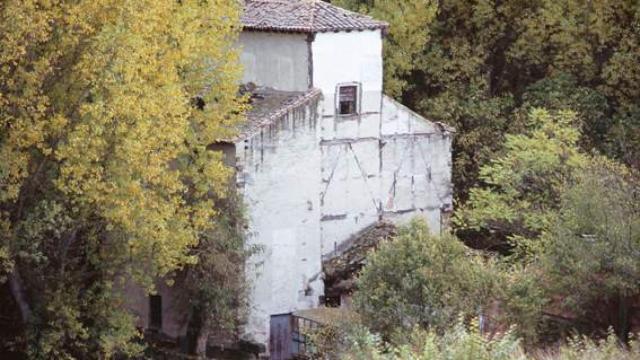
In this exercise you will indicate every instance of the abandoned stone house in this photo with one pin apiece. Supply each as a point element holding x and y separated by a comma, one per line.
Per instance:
<point>324,155</point>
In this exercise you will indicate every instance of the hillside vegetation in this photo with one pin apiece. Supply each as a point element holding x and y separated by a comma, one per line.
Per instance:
<point>545,243</point>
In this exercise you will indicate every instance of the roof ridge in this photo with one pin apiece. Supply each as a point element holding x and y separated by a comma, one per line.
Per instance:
<point>257,121</point>
<point>313,13</point>
<point>348,11</point>
<point>306,16</point>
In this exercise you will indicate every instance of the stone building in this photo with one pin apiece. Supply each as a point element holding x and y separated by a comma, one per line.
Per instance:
<point>324,156</point>
<point>325,153</point>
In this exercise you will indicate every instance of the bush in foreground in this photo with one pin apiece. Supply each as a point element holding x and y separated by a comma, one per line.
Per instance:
<point>351,341</point>
<point>422,280</point>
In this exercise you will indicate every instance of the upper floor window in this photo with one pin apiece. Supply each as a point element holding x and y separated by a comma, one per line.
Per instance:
<point>348,99</point>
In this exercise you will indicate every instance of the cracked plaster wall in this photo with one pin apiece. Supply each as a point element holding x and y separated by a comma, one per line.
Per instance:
<point>311,180</point>
<point>278,175</point>
<point>393,165</point>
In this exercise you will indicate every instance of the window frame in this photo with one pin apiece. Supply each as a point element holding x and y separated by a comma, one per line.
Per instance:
<point>358,98</point>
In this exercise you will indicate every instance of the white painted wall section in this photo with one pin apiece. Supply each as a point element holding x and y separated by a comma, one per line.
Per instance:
<point>278,174</point>
<point>313,178</point>
<point>276,60</point>
<point>394,165</point>
<point>416,166</point>
<point>312,181</point>
<point>342,57</point>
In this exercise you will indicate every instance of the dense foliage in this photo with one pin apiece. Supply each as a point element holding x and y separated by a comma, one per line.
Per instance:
<point>458,341</point>
<point>422,280</point>
<point>480,65</point>
<point>462,342</point>
<point>544,97</point>
<point>105,175</point>
<point>523,184</point>
<point>591,253</point>
<point>345,337</point>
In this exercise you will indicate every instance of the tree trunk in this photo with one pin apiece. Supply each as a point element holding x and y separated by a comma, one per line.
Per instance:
<point>197,334</point>
<point>18,292</point>
<point>201,343</point>
<point>623,318</point>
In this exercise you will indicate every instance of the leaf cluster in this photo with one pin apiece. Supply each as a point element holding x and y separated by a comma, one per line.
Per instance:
<point>421,280</point>
<point>105,175</point>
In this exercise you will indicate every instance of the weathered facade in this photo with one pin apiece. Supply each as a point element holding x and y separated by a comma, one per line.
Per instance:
<point>321,163</point>
<point>341,266</point>
<point>324,156</point>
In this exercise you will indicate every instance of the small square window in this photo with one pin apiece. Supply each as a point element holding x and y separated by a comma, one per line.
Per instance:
<point>348,100</point>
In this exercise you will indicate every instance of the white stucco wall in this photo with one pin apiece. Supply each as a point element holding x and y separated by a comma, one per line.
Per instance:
<point>416,166</point>
<point>279,177</point>
<point>342,57</point>
<point>277,60</point>
<point>312,180</point>
<point>394,165</point>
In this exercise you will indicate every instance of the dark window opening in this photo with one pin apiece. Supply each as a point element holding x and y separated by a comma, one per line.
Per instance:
<point>155,312</point>
<point>347,100</point>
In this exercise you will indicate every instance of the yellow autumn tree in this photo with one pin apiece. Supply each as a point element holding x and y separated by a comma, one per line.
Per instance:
<point>106,111</point>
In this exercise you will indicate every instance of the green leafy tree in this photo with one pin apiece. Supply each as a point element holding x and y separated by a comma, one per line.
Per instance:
<point>591,254</point>
<point>562,92</point>
<point>215,287</point>
<point>418,279</point>
<point>465,80</point>
<point>598,43</point>
<point>524,184</point>
<point>486,62</point>
<point>406,40</point>
<point>104,172</point>
<point>623,139</point>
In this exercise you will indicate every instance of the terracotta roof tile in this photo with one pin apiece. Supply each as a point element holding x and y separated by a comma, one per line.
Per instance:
<point>341,266</point>
<point>308,16</point>
<point>269,105</point>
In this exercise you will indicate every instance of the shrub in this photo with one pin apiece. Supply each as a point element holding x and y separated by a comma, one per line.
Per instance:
<point>422,280</point>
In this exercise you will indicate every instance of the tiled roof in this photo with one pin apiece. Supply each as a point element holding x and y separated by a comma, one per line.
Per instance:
<point>341,266</point>
<point>268,105</point>
<point>308,16</point>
